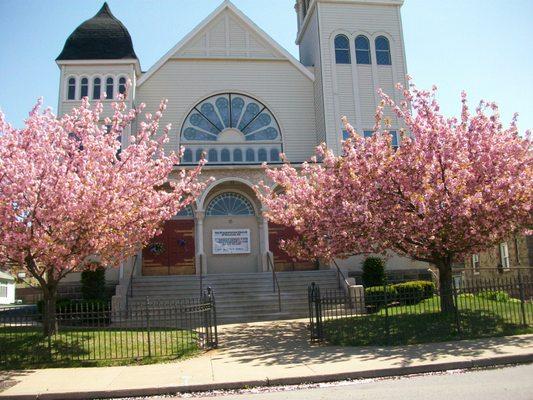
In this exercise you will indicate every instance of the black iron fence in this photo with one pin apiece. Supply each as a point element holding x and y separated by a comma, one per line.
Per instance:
<point>92,333</point>
<point>416,312</point>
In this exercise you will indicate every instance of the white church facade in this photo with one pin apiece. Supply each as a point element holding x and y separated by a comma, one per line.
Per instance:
<point>237,96</point>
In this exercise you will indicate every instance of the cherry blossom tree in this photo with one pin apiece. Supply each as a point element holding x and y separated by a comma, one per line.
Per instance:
<point>456,186</point>
<point>70,195</point>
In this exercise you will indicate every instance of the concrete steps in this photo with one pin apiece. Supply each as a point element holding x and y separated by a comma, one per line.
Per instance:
<point>239,297</point>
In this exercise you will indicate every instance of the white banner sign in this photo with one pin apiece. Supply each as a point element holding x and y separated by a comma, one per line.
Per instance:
<point>231,241</point>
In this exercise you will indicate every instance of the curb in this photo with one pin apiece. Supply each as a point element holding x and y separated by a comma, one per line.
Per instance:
<point>379,373</point>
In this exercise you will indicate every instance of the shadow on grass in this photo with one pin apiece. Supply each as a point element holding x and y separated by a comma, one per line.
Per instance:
<point>26,347</point>
<point>378,330</point>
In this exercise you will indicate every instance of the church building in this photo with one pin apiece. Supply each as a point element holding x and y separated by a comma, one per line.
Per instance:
<point>238,97</point>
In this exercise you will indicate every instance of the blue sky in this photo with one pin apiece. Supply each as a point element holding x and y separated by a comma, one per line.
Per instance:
<point>482,46</point>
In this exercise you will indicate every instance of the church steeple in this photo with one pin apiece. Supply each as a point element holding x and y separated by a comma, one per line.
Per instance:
<point>103,37</point>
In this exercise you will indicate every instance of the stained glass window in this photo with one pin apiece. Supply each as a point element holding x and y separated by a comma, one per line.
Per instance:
<point>230,111</point>
<point>229,203</point>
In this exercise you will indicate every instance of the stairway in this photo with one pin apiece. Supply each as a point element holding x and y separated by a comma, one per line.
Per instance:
<point>239,297</point>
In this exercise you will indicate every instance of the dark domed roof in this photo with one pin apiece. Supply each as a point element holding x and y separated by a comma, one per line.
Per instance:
<point>103,37</point>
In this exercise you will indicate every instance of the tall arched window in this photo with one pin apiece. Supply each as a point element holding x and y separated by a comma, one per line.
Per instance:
<point>362,50</point>
<point>109,88</point>
<point>212,156</point>
<point>225,155</point>
<point>229,204</point>
<point>383,51</point>
<point>84,88</point>
<point>274,155</point>
<point>262,155</point>
<point>97,88</point>
<point>187,156</point>
<point>250,155</point>
<point>237,155</point>
<point>71,92</point>
<point>122,85</point>
<point>199,154</point>
<point>342,50</point>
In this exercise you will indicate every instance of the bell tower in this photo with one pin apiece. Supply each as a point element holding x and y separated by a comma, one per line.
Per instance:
<point>355,48</point>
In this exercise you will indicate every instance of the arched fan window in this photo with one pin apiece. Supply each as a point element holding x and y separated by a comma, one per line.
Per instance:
<point>233,122</point>
<point>185,212</point>
<point>229,204</point>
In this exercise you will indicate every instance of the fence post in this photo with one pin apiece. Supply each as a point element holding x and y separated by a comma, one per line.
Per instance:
<point>456,307</point>
<point>522,298</point>
<point>147,309</point>
<point>213,312</point>
<point>386,300</point>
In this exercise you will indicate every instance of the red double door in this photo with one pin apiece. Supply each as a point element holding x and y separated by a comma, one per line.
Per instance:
<point>282,260</point>
<point>172,252</point>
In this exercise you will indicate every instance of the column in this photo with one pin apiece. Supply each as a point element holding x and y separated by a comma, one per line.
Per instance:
<point>264,240</point>
<point>200,261</point>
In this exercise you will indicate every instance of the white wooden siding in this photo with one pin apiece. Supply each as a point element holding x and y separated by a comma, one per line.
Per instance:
<point>278,84</point>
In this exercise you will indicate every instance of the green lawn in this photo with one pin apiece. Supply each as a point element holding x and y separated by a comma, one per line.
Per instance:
<point>25,347</point>
<point>423,323</point>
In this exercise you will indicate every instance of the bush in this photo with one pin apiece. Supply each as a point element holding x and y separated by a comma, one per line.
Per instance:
<point>375,297</point>
<point>373,272</point>
<point>93,284</point>
<point>495,295</point>
<point>414,292</point>
<point>68,306</point>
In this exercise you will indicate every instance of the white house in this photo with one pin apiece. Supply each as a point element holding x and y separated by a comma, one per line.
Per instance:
<point>7,288</point>
<point>237,95</point>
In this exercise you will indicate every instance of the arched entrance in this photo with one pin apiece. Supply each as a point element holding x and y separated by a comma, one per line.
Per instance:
<point>231,233</point>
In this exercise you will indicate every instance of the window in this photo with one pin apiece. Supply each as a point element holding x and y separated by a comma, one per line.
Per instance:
<point>237,155</point>
<point>274,155</point>
<point>187,156</point>
<point>367,134</point>
<point>122,85</point>
<point>97,87</point>
<point>383,51</point>
<point>3,289</point>
<point>475,262</point>
<point>84,88</point>
<point>342,50</point>
<point>229,204</point>
<point>109,88</point>
<point>262,155</point>
<point>362,50</point>
<point>71,92</point>
<point>225,156</point>
<point>199,154</point>
<point>212,156</point>
<point>504,256</point>
<point>395,143</point>
<point>250,155</point>
<point>185,212</point>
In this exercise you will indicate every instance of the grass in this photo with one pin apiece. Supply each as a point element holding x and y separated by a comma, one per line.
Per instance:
<point>424,323</point>
<point>26,347</point>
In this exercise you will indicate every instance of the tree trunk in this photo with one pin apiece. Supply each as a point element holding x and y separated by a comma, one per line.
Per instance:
<point>49,311</point>
<point>446,285</point>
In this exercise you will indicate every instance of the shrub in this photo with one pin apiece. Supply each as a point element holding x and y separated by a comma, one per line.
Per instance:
<point>93,284</point>
<point>414,292</point>
<point>495,295</point>
<point>373,272</point>
<point>375,297</point>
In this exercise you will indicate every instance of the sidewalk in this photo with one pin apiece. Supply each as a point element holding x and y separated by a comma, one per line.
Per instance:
<point>263,354</point>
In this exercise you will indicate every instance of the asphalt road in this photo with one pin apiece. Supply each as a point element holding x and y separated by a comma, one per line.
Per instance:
<point>513,383</point>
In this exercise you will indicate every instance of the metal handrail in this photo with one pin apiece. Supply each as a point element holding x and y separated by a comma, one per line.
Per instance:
<point>129,291</point>
<point>339,275</point>
<point>275,282</point>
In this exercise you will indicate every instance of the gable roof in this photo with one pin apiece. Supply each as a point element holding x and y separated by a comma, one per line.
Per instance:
<point>226,5</point>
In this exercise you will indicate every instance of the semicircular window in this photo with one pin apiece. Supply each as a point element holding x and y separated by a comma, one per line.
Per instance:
<point>229,203</point>
<point>213,118</point>
<point>185,212</point>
